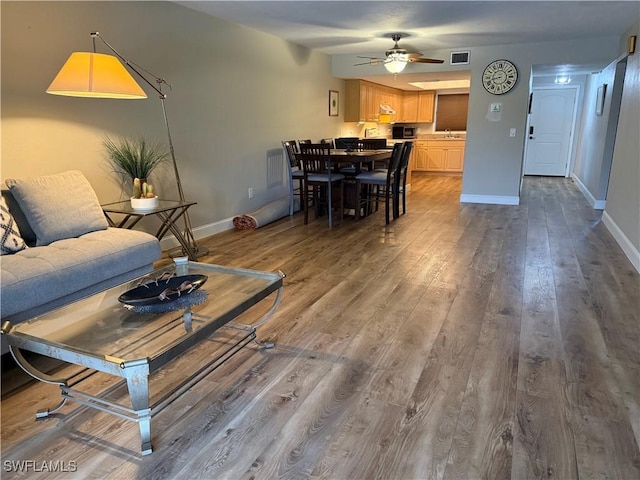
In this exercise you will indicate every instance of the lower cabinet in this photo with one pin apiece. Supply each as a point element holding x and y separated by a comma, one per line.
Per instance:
<point>440,156</point>
<point>420,154</point>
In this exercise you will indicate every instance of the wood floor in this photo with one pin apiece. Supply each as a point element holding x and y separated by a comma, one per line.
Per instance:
<point>460,342</point>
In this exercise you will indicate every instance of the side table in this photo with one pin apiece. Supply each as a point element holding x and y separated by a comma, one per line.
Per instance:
<point>168,211</point>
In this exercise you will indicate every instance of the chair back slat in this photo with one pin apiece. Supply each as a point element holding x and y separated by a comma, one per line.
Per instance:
<point>404,159</point>
<point>315,157</point>
<point>291,150</point>
<point>369,144</point>
<point>394,162</point>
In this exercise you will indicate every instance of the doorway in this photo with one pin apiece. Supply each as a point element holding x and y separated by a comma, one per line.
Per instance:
<point>550,128</point>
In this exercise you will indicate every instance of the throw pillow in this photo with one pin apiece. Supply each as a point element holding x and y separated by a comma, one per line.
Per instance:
<point>58,206</point>
<point>12,241</point>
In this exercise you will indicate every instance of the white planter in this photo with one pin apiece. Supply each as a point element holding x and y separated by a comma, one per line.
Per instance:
<point>144,203</point>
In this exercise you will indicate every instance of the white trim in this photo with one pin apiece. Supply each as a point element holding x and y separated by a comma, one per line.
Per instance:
<point>490,199</point>
<point>170,241</point>
<point>627,247</point>
<point>595,204</point>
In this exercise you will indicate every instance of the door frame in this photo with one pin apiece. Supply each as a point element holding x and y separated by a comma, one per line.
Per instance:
<point>574,122</point>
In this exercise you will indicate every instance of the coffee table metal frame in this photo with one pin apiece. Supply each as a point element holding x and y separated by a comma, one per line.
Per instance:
<point>136,372</point>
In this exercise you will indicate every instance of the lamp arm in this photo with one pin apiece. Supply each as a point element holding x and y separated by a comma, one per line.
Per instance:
<point>188,231</point>
<point>132,66</point>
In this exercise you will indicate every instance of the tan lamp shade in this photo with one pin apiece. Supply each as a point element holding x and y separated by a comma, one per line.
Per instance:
<point>95,75</point>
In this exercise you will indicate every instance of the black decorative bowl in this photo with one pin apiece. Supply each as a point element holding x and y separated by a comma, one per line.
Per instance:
<point>162,291</point>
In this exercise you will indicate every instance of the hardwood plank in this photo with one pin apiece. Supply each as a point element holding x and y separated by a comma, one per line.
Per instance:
<point>459,341</point>
<point>483,442</point>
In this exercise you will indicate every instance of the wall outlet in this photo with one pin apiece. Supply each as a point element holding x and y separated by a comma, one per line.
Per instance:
<point>250,192</point>
<point>512,132</point>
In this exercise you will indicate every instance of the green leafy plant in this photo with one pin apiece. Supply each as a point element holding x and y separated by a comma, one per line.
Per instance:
<point>135,159</point>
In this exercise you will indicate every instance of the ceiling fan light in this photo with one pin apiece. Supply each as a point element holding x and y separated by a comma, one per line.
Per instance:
<point>396,62</point>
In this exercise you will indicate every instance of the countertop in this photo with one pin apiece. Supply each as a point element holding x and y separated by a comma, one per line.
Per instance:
<point>430,136</point>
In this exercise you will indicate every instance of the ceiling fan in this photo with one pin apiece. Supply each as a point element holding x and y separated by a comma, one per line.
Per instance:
<point>397,58</point>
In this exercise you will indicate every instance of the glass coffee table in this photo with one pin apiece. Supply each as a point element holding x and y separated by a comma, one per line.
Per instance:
<point>102,334</point>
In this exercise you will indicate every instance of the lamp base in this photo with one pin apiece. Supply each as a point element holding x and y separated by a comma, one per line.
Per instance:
<point>179,251</point>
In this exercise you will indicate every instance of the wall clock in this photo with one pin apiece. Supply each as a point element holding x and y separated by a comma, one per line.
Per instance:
<point>499,77</point>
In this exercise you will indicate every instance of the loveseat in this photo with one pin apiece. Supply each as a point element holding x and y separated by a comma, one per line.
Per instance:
<point>57,246</point>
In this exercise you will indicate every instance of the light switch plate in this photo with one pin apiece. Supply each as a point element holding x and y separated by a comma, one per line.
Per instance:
<point>512,132</point>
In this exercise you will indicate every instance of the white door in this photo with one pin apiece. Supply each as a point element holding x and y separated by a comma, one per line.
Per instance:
<point>549,135</point>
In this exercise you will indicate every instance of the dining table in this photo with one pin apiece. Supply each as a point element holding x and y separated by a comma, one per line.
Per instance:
<point>360,159</point>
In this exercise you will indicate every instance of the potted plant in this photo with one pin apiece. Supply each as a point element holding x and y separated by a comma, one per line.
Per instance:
<point>135,159</point>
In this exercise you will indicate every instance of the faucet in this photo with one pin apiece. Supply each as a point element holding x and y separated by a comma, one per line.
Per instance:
<point>448,134</point>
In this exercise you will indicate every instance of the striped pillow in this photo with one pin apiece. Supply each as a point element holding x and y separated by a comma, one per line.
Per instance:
<point>12,241</point>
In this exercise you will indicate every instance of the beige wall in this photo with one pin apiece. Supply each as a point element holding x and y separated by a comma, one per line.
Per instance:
<point>622,213</point>
<point>590,148</point>
<point>236,94</point>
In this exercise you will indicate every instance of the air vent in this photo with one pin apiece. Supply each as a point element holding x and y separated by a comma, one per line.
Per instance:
<point>459,58</point>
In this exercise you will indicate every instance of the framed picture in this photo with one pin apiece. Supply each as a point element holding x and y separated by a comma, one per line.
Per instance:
<point>602,92</point>
<point>333,103</point>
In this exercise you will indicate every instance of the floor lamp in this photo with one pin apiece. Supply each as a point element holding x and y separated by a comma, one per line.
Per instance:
<point>95,75</point>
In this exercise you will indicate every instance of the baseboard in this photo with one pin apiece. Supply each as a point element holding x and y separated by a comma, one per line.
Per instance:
<point>490,199</point>
<point>170,241</point>
<point>595,204</point>
<point>627,247</point>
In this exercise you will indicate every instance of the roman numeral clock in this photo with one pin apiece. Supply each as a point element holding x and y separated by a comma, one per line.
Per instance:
<point>499,77</point>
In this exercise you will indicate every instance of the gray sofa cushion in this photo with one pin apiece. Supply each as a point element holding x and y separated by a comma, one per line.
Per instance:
<point>58,206</point>
<point>39,275</point>
<point>21,221</point>
<point>12,240</point>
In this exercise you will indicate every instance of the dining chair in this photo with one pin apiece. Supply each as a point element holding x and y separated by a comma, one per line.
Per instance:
<point>290,150</point>
<point>329,141</point>
<point>350,170</point>
<point>370,144</point>
<point>320,181</point>
<point>401,179</point>
<point>380,185</point>
<point>374,144</point>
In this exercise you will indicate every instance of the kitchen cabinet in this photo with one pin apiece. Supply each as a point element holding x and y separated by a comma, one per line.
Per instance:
<point>391,96</point>
<point>359,98</point>
<point>417,107</point>
<point>420,156</point>
<point>409,112</point>
<point>363,99</point>
<point>426,106</point>
<point>445,156</point>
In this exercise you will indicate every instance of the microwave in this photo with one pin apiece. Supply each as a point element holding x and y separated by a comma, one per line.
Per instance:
<point>400,131</point>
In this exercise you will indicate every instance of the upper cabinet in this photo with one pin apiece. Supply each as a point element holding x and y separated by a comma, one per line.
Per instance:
<point>426,104</point>
<point>417,107</point>
<point>409,107</point>
<point>363,99</point>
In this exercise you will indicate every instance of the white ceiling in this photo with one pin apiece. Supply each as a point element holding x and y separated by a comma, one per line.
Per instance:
<point>364,27</point>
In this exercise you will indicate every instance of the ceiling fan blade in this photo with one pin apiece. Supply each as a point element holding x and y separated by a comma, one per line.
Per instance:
<point>373,62</point>
<point>371,58</point>
<point>425,60</point>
